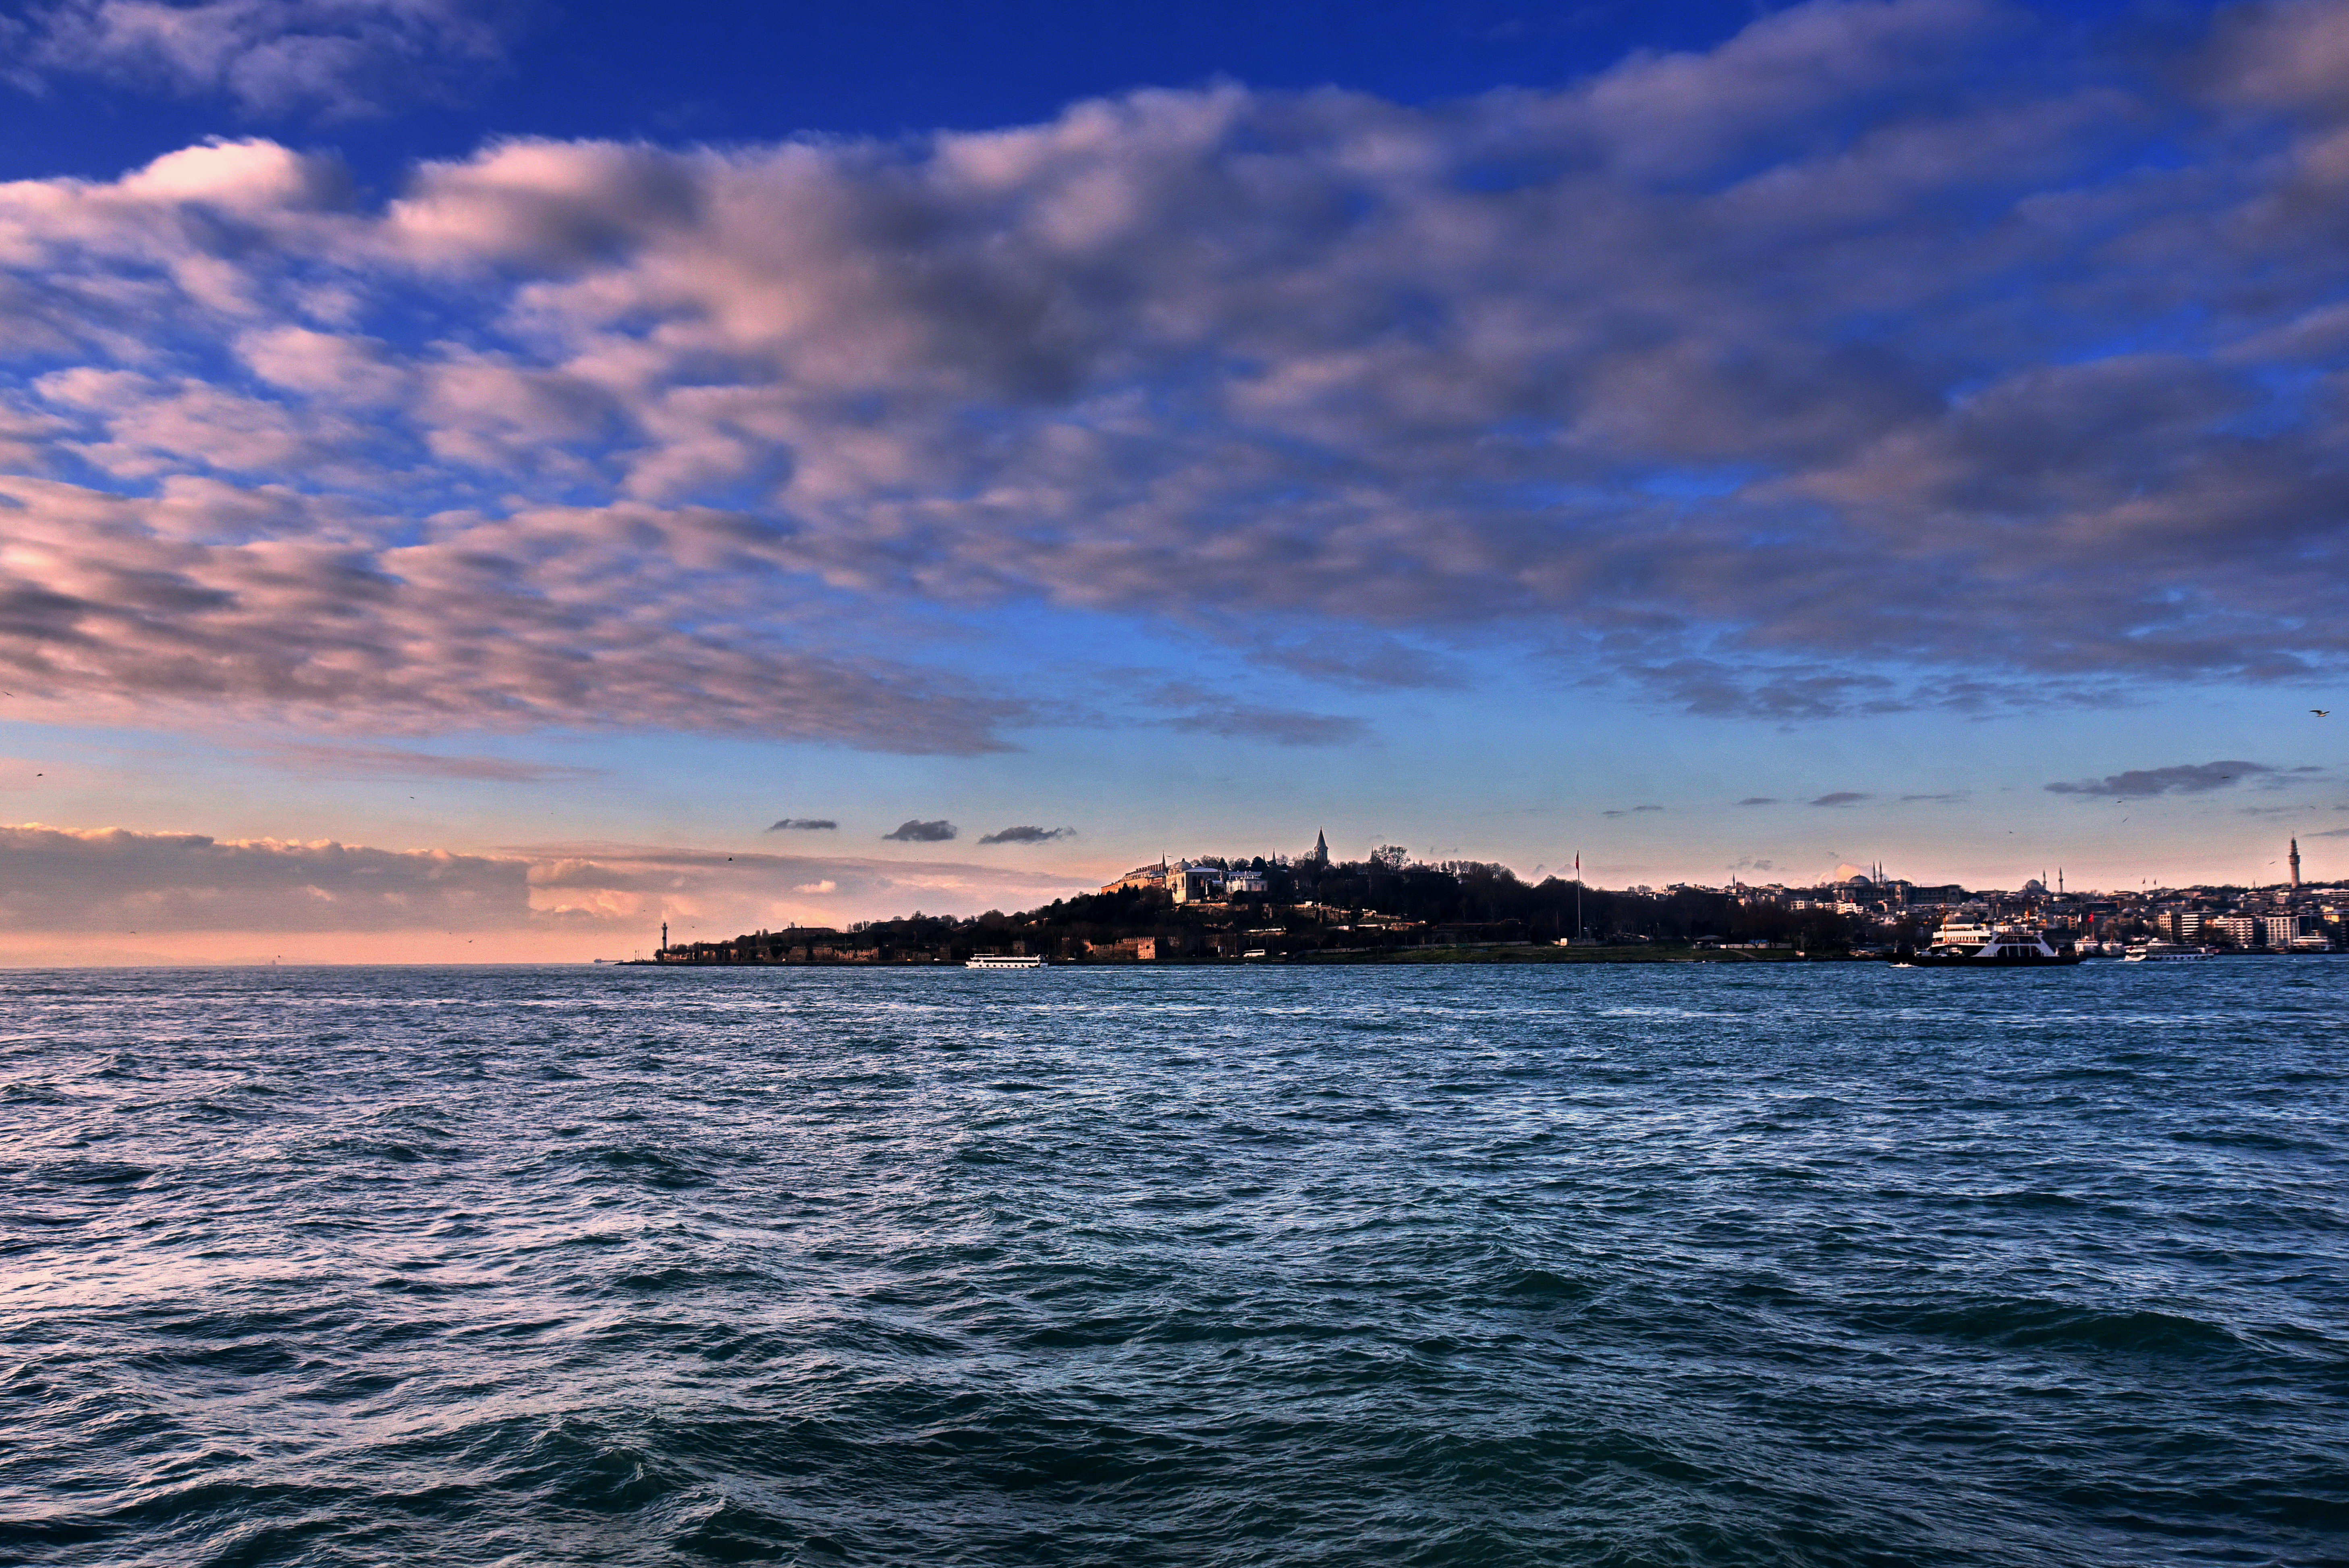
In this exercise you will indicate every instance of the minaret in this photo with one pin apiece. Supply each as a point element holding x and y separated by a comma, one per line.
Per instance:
<point>2295,865</point>
<point>663,936</point>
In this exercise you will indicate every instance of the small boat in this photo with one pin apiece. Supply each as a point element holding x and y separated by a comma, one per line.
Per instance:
<point>1003,961</point>
<point>1970,947</point>
<point>2164,953</point>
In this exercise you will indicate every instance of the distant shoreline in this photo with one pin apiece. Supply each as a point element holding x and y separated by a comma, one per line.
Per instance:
<point>1492,954</point>
<point>1489,952</point>
<point>1531,952</point>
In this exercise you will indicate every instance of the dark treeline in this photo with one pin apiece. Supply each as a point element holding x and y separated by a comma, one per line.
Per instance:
<point>1383,902</point>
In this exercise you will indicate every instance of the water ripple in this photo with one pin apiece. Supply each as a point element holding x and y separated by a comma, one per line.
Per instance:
<point>1831,1265</point>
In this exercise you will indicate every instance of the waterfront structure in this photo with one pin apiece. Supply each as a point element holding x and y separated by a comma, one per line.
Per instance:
<point>2242,930</point>
<point>1140,876</point>
<point>1196,884</point>
<point>2295,865</point>
<point>2277,932</point>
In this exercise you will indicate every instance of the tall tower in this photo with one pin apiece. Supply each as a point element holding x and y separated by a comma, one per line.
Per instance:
<point>2295,865</point>
<point>663,936</point>
<point>1320,847</point>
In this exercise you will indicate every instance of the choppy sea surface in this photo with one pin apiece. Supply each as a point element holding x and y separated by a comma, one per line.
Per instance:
<point>1803,1264</point>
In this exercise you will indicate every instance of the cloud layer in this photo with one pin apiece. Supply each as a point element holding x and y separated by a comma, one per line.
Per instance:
<point>2184,778</point>
<point>120,883</point>
<point>1847,366</point>
<point>332,57</point>
<point>54,879</point>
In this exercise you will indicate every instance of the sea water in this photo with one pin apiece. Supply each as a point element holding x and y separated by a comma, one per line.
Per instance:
<point>1673,1264</point>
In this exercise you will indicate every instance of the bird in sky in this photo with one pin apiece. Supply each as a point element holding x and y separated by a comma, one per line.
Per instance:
<point>2321,712</point>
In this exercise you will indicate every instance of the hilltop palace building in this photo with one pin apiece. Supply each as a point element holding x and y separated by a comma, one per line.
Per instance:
<point>1187,884</point>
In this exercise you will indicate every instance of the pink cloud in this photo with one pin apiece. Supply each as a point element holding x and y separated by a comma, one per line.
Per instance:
<point>1778,378</point>
<point>112,894</point>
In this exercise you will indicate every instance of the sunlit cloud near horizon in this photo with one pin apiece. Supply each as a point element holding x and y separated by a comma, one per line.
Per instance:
<point>1886,431</point>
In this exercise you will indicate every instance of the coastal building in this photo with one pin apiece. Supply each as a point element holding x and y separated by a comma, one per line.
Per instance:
<point>2283,932</point>
<point>1196,884</point>
<point>2242,930</point>
<point>1140,876</point>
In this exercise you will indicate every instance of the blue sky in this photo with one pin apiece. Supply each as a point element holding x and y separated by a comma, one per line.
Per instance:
<point>705,71</point>
<point>466,468</point>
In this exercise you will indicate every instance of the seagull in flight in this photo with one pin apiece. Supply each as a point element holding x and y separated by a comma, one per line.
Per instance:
<point>2321,712</point>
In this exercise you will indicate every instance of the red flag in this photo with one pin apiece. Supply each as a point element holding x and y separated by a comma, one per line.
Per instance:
<point>1577,865</point>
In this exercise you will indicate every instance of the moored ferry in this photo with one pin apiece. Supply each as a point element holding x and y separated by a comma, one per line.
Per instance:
<point>1003,961</point>
<point>2164,953</point>
<point>1962,945</point>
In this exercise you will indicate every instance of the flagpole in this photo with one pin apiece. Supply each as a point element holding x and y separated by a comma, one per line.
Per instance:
<point>1578,893</point>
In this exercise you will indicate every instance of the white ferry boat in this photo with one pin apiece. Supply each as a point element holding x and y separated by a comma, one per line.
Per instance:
<point>1003,961</point>
<point>2164,953</point>
<point>1962,945</point>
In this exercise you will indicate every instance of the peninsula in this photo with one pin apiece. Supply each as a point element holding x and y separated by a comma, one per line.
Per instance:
<point>1387,908</point>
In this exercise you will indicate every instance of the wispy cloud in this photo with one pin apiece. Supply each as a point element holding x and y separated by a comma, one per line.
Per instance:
<point>802,825</point>
<point>1028,835</point>
<point>920,833</point>
<point>2181,779</point>
<point>329,761</point>
<point>1280,726</point>
<point>1839,798</point>
<point>1631,812</point>
<point>1759,801</point>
